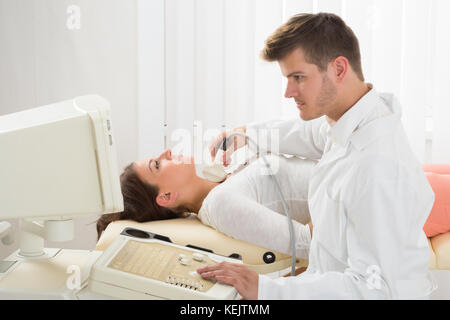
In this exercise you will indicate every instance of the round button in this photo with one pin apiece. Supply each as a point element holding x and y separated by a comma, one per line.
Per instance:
<point>184,261</point>
<point>269,257</point>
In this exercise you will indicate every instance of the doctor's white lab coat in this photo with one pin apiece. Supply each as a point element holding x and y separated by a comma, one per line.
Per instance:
<point>368,199</point>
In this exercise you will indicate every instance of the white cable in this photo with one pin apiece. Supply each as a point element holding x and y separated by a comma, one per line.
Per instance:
<point>283,201</point>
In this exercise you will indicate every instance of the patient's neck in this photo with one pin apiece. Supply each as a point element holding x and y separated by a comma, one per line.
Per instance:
<point>198,190</point>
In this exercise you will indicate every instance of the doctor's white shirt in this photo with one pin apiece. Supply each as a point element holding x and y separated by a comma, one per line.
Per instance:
<point>368,199</point>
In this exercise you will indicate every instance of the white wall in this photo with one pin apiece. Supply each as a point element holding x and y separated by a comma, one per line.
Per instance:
<point>43,61</point>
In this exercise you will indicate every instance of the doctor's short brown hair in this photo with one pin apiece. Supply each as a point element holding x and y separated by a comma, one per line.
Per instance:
<point>322,36</point>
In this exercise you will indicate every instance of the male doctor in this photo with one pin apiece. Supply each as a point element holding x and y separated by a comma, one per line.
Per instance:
<point>368,196</point>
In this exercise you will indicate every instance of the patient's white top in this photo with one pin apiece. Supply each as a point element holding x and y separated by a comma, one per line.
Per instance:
<point>247,205</point>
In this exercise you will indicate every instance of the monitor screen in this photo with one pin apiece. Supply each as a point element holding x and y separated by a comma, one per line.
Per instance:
<point>59,160</point>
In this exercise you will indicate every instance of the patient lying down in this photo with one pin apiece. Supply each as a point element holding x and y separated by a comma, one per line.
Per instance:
<point>245,206</point>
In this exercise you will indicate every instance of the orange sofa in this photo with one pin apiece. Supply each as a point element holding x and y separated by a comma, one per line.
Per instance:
<point>437,226</point>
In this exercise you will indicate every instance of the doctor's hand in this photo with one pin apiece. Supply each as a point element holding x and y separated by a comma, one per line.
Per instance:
<point>238,142</point>
<point>242,278</point>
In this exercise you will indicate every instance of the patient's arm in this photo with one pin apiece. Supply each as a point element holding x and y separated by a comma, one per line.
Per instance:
<point>243,218</point>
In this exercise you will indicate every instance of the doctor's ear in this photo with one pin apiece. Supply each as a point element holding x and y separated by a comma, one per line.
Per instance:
<point>340,67</point>
<point>166,199</point>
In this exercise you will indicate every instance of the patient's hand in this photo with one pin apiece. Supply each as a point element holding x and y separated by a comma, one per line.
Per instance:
<point>239,276</point>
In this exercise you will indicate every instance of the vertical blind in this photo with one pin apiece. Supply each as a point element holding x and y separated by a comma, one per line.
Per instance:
<point>207,74</point>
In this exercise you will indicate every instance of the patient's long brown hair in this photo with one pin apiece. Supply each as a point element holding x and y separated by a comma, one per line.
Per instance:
<point>139,202</point>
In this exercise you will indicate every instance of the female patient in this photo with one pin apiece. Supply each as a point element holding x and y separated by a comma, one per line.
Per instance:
<point>245,206</point>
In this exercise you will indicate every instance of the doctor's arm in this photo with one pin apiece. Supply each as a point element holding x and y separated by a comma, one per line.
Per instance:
<point>294,137</point>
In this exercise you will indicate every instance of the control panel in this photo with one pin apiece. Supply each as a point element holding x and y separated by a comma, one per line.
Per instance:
<point>144,265</point>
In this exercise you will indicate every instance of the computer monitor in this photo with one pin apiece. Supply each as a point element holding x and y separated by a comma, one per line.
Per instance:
<point>58,162</point>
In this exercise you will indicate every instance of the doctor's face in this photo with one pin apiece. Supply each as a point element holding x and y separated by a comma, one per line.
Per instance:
<point>169,172</point>
<point>313,91</point>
